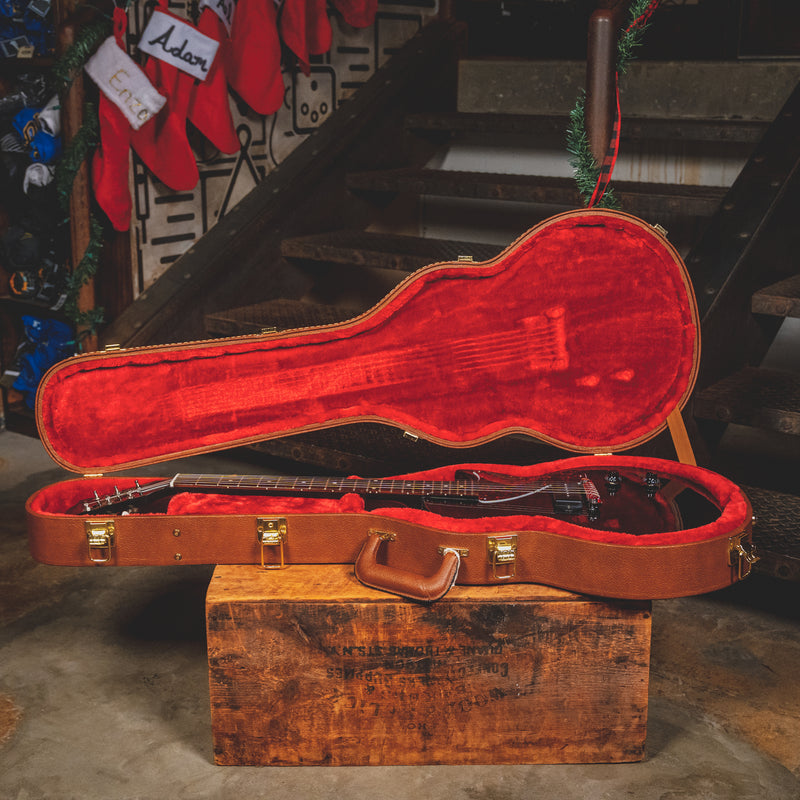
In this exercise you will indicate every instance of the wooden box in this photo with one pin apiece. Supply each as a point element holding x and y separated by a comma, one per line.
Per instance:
<point>307,666</point>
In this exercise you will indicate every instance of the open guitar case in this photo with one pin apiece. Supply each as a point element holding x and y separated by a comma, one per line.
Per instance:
<point>583,334</point>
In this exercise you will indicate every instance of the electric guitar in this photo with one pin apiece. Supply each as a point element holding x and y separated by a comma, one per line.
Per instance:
<point>625,500</point>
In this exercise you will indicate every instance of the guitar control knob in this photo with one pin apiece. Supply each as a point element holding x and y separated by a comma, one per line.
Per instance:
<point>613,482</point>
<point>652,484</point>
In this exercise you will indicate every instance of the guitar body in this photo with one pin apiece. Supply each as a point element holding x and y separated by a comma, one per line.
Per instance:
<point>583,333</point>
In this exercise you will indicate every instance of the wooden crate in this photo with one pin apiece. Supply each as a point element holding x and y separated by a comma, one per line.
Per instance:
<point>307,666</point>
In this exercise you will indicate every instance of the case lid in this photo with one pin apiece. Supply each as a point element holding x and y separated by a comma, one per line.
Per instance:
<point>582,333</point>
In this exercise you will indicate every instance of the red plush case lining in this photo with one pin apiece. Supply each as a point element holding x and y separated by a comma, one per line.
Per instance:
<point>582,333</point>
<point>734,508</point>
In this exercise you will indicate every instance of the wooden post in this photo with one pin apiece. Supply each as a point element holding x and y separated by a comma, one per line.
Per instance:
<point>601,68</point>
<point>80,229</point>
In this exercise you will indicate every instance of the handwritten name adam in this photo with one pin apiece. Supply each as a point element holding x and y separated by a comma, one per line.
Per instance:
<point>180,51</point>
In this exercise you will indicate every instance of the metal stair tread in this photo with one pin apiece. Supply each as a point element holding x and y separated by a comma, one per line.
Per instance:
<point>281,314</point>
<point>690,129</point>
<point>642,198</point>
<point>387,251</point>
<point>776,531</point>
<point>781,299</point>
<point>762,398</point>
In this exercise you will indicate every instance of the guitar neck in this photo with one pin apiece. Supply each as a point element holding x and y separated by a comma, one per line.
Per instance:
<point>272,484</point>
<point>472,488</point>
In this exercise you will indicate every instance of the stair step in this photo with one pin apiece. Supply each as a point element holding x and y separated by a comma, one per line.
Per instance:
<point>776,531</point>
<point>645,199</point>
<point>635,128</point>
<point>387,251</point>
<point>760,398</point>
<point>275,314</point>
<point>782,299</point>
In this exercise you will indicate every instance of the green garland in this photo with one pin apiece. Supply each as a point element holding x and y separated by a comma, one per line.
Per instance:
<point>631,37</point>
<point>77,54</point>
<point>583,163</point>
<point>75,153</point>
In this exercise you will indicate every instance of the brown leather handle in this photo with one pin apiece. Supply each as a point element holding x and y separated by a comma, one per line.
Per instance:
<point>426,588</point>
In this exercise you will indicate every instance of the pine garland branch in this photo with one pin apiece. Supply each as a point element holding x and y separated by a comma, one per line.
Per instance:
<point>81,274</point>
<point>71,63</point>
<point>582,160</point>
<point>86,138</point>
<point>631,38</point>
<point>583,163</point>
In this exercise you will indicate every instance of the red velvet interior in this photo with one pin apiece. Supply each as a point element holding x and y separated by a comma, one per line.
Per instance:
<point>734,508</point>
<point>583,333</point>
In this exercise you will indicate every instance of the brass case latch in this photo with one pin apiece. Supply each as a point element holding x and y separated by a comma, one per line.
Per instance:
<point>100,539</point>
<point>502,552</point>
<point>272,532</point>
<point>742,554</point>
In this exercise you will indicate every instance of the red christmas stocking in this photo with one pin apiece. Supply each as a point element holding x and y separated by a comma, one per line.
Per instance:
<point>254,66</point>
<point>358,13</point>
<point>306,29</point>
<point>163,144</point>
<point>110,165</point>
<point>127,101</point>
<point>209,108</point>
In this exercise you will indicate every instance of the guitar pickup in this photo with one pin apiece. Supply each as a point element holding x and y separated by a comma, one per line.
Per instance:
<point>451,500</point>
<point>568,505</point>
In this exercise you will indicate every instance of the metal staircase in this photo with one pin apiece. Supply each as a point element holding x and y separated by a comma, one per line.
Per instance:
<point>745,272</point>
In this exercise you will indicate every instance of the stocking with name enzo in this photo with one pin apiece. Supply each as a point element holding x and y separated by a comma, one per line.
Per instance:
<point>128,101</point>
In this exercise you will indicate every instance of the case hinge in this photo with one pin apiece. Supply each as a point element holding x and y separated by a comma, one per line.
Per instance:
<point>100,540</point>
<point>463,552</point>
<point>660,229</point>
<point>502,552</point>
<point>742,555</point>
<point>272,532</point>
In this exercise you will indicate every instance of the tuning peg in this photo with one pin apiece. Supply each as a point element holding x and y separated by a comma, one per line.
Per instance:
<point>652,483</point>
<point>613,481</point>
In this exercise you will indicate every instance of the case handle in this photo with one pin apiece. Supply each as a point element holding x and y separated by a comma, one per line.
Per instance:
<point>411,585</point>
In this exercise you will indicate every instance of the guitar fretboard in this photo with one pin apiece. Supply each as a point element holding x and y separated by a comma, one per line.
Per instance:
<point>337,486</point>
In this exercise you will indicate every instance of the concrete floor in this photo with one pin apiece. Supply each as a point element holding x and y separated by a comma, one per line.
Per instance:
<point>104,693</point>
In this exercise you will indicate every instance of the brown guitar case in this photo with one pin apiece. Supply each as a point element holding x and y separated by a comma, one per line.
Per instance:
<point>583,333</point>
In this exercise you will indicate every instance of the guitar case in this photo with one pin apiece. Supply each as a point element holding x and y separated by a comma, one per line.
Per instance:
<point>583,334</point>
